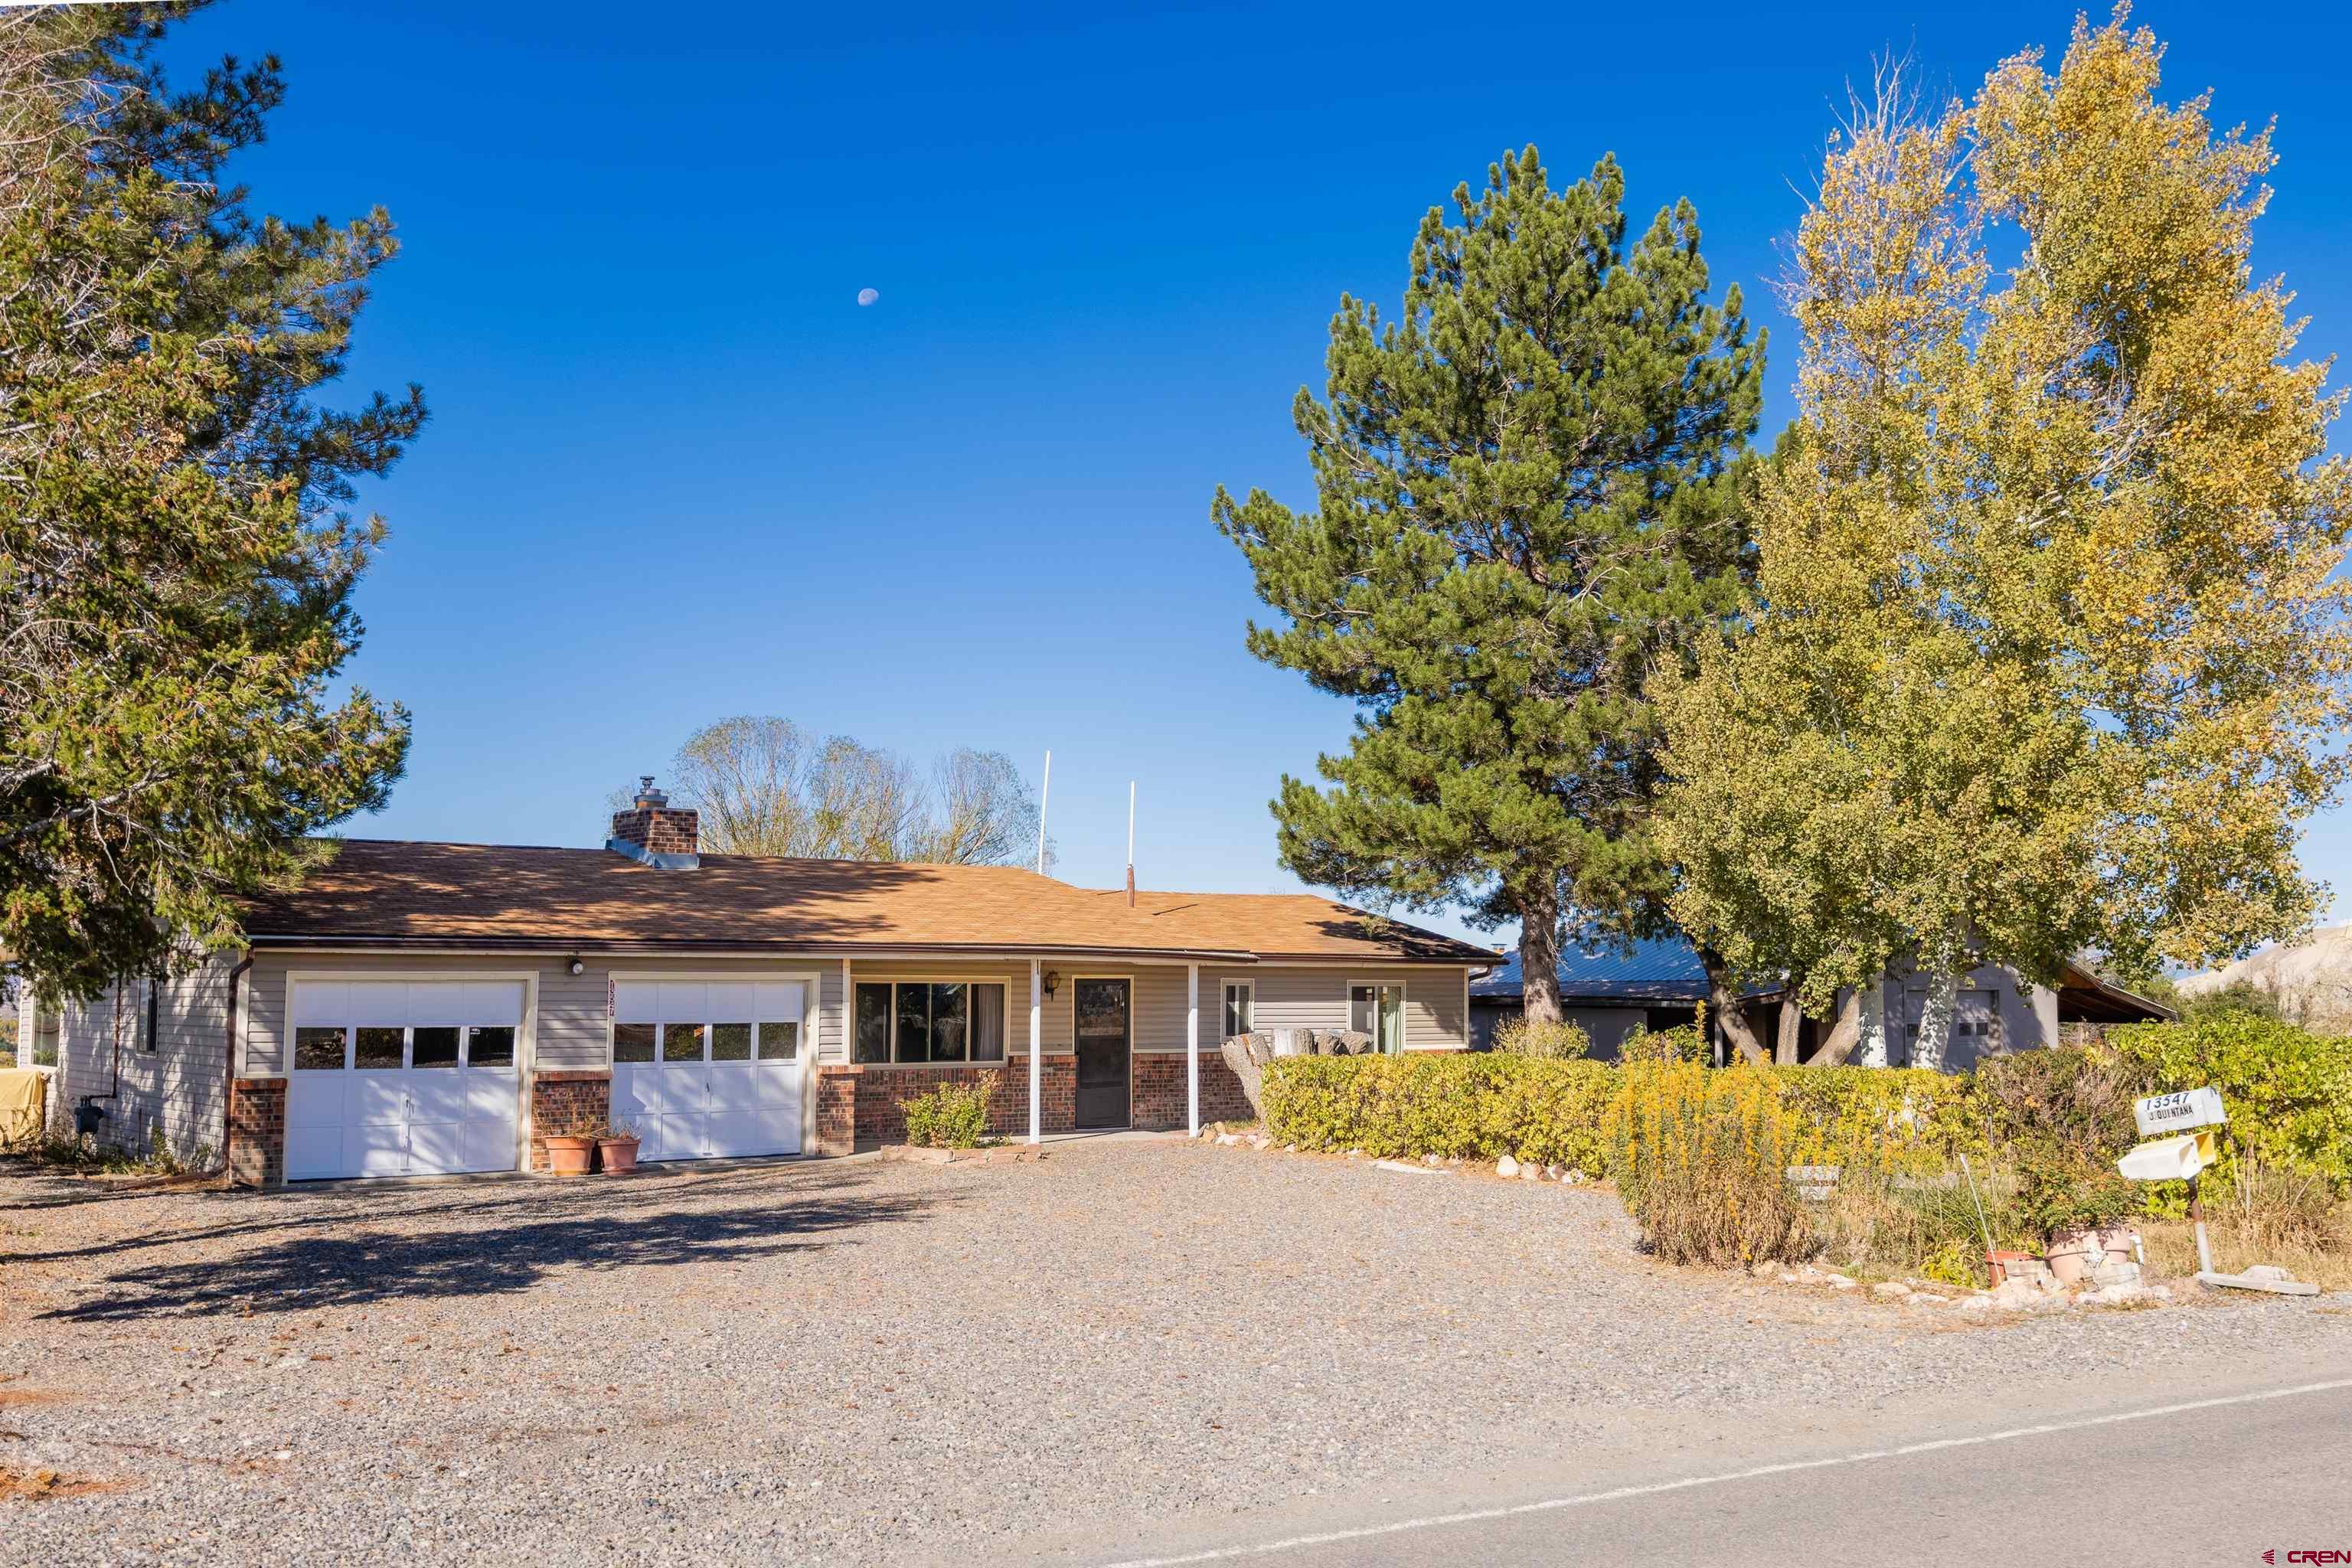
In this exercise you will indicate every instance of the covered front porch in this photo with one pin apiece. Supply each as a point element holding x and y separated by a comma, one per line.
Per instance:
<point>1075,1042</point>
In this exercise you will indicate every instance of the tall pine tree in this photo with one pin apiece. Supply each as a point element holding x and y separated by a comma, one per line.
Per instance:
<point>177,551</point>
<point>1528,502</point>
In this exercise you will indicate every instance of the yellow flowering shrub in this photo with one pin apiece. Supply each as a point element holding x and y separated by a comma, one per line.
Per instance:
<point>1700,1157</point>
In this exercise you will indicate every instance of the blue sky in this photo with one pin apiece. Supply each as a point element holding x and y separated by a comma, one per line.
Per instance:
<point>676,472</point>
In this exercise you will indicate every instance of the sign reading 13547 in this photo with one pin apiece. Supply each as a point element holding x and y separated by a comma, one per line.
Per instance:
<point>2162,1114</point>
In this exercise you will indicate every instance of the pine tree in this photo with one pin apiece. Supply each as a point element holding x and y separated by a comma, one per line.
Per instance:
<point>1528,503</point>
<point>176,552</point>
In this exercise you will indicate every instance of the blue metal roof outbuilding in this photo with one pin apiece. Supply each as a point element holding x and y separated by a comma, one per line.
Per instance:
<point>1664,971</point>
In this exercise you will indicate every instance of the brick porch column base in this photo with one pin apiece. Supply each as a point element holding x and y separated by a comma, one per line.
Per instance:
<point>1159,1090</point>
<point>558,1099</point>
<point>256,1133</point>
<point>861,1105</point>
<point>837,1110</point>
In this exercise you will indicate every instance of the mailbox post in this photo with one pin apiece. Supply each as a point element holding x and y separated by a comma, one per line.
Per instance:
<point>2190,1117</point>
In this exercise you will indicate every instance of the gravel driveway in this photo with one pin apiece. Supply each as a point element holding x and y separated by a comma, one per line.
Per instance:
<point>869,1361</point>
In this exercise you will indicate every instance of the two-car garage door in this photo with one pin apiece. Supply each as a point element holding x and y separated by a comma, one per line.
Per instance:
<point>404,1077</point>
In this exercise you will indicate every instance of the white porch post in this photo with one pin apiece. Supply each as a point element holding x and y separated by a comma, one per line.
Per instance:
<point>1193,1046</point>
<point>1036,1047</point>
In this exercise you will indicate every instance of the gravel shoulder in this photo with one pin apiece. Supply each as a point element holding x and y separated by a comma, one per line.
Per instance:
<point>868,1362</point>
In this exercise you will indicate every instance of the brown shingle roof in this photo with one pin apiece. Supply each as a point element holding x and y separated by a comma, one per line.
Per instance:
<point>505,896</point>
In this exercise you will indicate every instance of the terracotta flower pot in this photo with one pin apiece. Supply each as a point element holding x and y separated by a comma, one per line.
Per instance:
<point>619,1155</point>
<point>2075,1253</point>
<point>568,1156</point>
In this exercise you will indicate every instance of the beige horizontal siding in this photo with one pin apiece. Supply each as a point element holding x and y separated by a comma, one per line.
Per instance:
<point>178,1089</point>
<point>1436,1011</point>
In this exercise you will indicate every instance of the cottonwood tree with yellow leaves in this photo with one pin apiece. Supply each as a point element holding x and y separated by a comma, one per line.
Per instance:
<point>2044,654</point>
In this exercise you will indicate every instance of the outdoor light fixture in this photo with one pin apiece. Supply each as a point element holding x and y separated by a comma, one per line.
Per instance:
<point>575,966</point>
<point>1053,982</point>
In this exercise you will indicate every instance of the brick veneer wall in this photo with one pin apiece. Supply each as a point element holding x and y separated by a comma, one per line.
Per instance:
<point>858,1107</point>
<point>837,1110</point>
<point>256,1133</point>
<point>861,1106</point>
<point>1057,1103</point>
<point>1160,1091</point>
<point>558,1098</point>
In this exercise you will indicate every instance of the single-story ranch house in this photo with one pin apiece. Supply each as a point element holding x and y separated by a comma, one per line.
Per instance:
<point>420,1009</point>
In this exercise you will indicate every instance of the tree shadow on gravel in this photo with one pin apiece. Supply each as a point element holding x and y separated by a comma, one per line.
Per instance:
<point>491,1248</point>
<point>307,1205</point>
<point>32,1188</point>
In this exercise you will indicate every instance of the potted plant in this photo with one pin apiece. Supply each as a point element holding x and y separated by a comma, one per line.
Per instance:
<point>2081,1207</point>
<point>571,1145</point>
<point>617,1149</point>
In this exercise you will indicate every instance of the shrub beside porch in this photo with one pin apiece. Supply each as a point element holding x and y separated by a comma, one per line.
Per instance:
<point>863,1106</point>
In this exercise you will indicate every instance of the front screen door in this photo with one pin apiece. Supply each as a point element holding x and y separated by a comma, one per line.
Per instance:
<point>1102,1046</point>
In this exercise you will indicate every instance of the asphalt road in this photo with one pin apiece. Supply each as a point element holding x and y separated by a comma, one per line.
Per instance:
<point>2210,1474</point>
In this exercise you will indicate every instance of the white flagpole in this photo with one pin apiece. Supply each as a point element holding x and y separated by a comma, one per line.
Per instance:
<point>1045,793</point>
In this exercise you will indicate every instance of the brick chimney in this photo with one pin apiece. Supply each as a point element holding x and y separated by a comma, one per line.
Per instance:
<point>654,831</point>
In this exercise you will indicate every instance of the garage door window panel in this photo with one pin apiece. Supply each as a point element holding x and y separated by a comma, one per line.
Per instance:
<point>380,1047</point>
<point>435,1047</point>
<point>632,1042</point>
<point>730,1042</point>
<point>320,1050</point>
<point>491,1045</point>
<point>681,1042</point>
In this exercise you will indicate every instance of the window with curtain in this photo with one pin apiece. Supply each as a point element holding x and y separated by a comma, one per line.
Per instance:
<point>913,1021</point>
<point>1378,1011</point>
<point>1239,1004</point>
<point>873,1043</point>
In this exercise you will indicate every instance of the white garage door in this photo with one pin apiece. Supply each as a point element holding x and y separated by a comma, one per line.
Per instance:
<point>704,1069</point>
<point>402,1078</point>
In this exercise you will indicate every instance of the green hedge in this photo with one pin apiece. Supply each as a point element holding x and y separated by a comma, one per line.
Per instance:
<point>1482,1107</point>
<point>2288,1091</point>
<point>1473,1105</point>
<point>2289,1095</point>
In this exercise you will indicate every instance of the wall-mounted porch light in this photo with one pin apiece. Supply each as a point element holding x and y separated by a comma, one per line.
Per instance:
<point>1053,982</point>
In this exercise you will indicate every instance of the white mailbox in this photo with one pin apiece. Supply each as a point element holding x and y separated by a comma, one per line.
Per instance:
<point>2168,1159</point>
